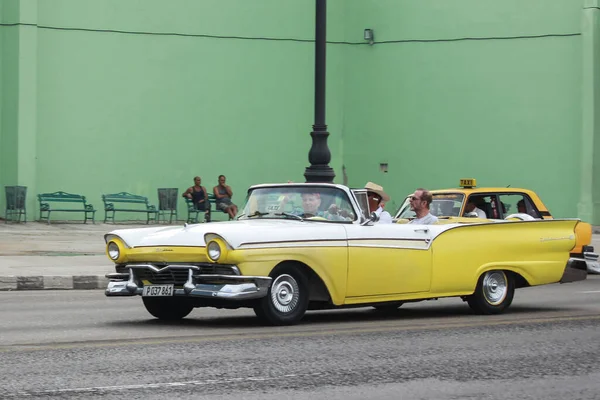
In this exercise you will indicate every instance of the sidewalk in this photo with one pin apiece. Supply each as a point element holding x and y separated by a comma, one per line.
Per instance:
<point>65,255</point>
<point>36,255</point>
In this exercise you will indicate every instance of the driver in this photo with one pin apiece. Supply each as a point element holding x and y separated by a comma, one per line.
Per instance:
<point>311,201</point>
<point>310,204</point>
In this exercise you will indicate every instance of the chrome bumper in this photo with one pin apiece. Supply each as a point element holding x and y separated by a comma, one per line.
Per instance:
<point>591,261</point>
<point>233,287</point>
<point>576,270</point>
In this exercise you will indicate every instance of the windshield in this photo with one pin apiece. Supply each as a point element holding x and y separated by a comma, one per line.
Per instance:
<point>314,203</point>
<point>443,205</point>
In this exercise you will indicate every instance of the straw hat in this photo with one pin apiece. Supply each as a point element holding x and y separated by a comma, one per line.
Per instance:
<point>375,188</point>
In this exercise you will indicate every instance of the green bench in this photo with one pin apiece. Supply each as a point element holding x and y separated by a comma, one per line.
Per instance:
<point>77,203</point>
<point>193,212</point>
<point>130,203</point>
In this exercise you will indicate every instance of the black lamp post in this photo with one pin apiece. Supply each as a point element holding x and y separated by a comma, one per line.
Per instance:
<point>319,154</point>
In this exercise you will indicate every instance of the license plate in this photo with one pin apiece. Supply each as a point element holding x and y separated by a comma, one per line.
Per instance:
<point>158,290</point>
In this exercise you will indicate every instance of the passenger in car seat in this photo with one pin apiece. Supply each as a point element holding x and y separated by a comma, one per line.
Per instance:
<point>420,202</point>
<point>522,208</point>
<point>470,207</point>
<point>377,199</point>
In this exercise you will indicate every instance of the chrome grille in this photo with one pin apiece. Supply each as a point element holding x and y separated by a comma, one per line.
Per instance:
<point>175,276</point>
<point>175,273</point>
<point>215,269</point>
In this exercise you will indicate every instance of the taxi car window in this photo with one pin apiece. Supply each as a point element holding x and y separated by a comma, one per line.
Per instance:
<point>313,203</point>
<point>488,203</point>
<point>442,205</point>
<point>518,203</point>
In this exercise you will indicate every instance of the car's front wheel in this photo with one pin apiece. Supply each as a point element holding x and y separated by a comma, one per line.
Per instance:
<point>168,308</point>
<point>287,299</point>
<point>494,293</point>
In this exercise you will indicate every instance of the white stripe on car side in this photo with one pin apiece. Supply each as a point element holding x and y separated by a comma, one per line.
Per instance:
<point>263,245</point>
<point>390,243</point>
<point>374,243</point>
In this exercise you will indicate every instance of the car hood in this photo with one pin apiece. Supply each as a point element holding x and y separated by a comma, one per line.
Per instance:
<point>235,233</point>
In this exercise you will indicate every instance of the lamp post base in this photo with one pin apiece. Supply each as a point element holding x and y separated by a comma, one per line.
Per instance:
<point>319,174</point>
<point>319,157</point>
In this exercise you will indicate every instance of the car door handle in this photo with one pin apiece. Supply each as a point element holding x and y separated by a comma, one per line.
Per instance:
<point>424,230</point>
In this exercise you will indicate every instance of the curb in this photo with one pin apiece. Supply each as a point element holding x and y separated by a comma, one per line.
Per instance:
<point>53,282</point>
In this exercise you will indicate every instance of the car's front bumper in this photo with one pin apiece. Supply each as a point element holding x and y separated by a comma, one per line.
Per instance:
<point>591,261</point>
<point>575,270</point>
<point>213,286</point>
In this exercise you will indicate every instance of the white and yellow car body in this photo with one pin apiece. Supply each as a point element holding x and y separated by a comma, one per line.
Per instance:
<point>282,260</point>
<point>498,207</point>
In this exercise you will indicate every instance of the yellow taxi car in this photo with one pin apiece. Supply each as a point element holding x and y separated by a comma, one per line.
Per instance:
<point>497,203</point>
<point>296,247</point>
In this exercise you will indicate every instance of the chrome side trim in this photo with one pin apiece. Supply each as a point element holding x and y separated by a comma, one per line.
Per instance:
<point>286,244</point>
<point>575,270</point>
<point>417,244</point>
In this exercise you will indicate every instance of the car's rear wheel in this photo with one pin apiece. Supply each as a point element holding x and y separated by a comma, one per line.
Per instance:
<point>168,308</point>
<point>287,299</point>
<point>386,308</point>
<point>494,293</point>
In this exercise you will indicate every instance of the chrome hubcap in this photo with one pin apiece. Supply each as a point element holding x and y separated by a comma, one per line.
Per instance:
<point>495,287</point>
<point>285,293</point>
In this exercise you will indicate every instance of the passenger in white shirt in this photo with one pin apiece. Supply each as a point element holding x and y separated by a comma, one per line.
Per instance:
<point>377,198</point>
<point>419,203</point>
<point>470,207</point>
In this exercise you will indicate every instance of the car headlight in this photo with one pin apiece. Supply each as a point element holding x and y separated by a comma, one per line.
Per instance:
<point>214,250</point>
<point>113,251</point>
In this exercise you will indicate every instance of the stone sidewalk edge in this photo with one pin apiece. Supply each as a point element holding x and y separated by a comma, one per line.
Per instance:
<point>53,282</point>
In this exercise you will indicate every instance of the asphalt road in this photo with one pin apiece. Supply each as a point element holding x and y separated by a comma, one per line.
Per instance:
<point>80,344</point>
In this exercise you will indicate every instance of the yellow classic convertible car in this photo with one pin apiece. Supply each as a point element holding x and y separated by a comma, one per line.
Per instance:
<point>300,246</point>
<point>495,203</point>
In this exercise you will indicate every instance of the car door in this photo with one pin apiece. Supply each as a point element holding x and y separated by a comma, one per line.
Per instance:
<point>387,259</point>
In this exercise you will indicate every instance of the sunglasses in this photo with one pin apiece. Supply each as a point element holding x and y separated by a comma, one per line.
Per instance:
<point>414,198</point>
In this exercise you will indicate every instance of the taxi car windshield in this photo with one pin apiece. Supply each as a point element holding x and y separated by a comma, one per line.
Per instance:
<point>315,203</point>
<point>442,205</point>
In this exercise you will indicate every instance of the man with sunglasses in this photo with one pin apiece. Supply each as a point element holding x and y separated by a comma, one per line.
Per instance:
<point>419,203</point>
<point>377,198</point>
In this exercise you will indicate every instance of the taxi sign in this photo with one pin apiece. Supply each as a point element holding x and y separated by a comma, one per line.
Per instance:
<point>468,183</point>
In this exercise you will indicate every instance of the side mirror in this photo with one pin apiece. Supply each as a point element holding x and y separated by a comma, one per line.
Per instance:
<point>372,218</point>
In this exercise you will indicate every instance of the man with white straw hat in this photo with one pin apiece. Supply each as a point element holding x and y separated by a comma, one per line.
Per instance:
<point>377,198</point>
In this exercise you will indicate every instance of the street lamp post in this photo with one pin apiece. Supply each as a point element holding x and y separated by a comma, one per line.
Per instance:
<point>319,154</point>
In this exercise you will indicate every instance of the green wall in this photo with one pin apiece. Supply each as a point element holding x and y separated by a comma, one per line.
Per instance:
<point>8,94</point>
<point>135,112</point>
<point>2,46</point>
<point>98,97</point>
<point>589,202</point>
<point>506,112</point>
<point>146,111</point>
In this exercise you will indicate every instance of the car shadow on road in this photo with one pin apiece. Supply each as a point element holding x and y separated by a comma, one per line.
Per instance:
<point>459,312</point>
